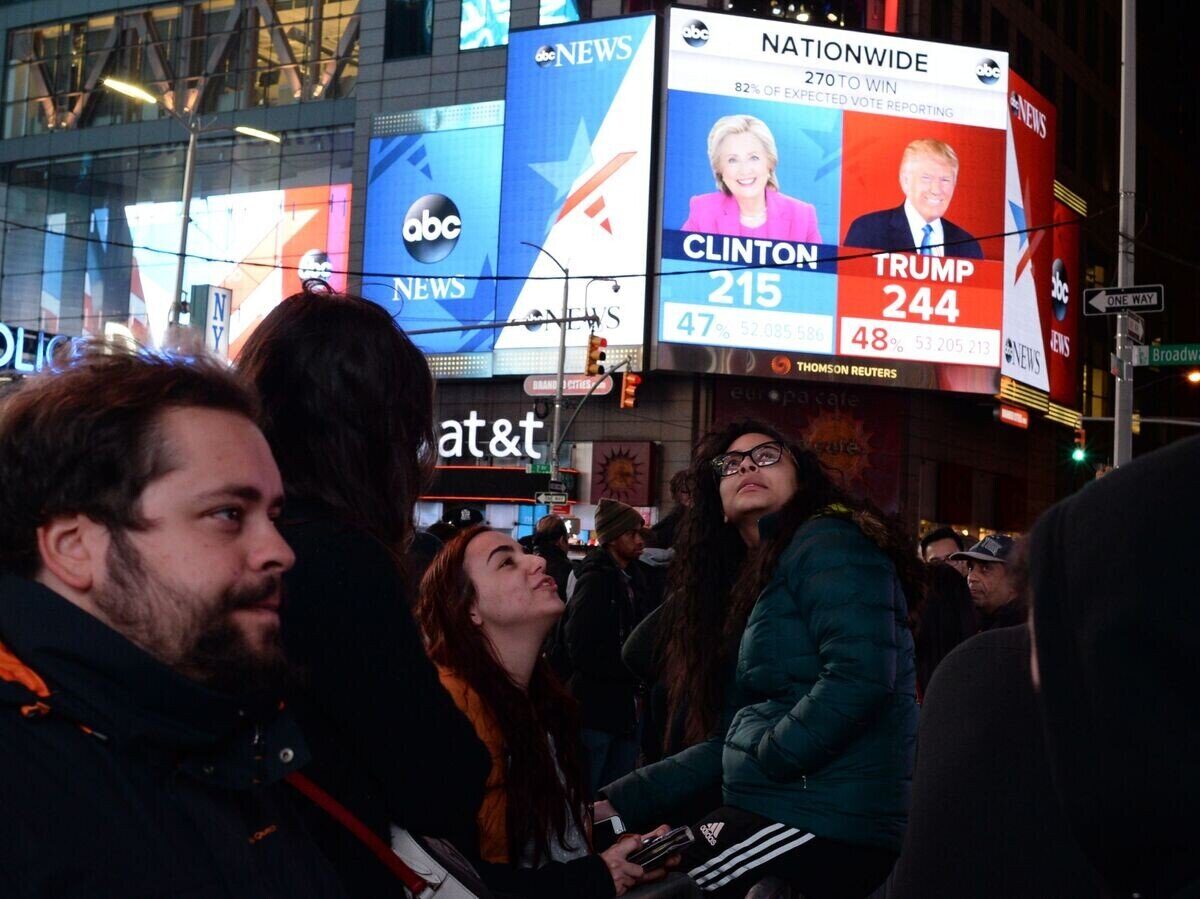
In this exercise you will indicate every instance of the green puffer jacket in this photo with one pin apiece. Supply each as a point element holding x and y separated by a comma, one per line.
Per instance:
<point>824,714</point>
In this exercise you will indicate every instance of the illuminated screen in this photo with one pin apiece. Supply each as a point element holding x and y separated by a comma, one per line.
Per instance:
<point>433,208</point>
<point>577,153</point>
<point>484,23</point>
<point>831,204</point>
<point>260,246</point>
<point>1039,320</point>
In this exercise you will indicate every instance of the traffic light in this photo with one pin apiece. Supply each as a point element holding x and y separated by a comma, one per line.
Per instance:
<point>1079,453</point>
<point>629,385</point>
<point>595,354</point>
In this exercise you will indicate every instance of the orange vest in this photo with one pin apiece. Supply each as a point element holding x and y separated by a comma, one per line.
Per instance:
<point>492,817</point>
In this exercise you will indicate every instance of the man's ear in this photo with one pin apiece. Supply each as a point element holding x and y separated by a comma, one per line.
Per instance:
<point>73,549</point>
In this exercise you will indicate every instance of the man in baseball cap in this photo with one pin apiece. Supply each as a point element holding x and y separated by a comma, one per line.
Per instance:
<point>1000,604</point>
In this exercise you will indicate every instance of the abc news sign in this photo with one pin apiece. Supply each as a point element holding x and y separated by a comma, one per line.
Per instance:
<point>432,227</point>
<point>584,53</point>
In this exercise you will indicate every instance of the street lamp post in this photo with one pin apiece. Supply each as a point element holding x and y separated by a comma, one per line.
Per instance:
<point>562,357</point>
<point>194,129</point>
<point>189,170</point>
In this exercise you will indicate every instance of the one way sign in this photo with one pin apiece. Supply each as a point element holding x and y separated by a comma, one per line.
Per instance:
<point>1114,300</point>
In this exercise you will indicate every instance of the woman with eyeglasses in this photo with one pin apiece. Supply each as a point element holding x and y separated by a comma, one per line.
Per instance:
<point>789,666</point>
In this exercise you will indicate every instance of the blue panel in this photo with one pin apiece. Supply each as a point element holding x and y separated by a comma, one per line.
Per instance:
<point>433,203</point>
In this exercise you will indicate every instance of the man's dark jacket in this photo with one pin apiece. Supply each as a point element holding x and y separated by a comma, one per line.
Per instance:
<point>558,566</point>
<point>387,740</point>
<point>888,229</point>
<point>599,618</point>
<point>984,822</point>
<point>128,780</point>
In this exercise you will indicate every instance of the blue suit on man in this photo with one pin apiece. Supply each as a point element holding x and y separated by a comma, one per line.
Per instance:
<point>887,229</point>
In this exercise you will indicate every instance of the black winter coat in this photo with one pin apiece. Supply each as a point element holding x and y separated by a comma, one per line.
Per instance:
<point>984,822</point>
<point>598,619</point>
<point>172,789</point>
<point>387,740</point>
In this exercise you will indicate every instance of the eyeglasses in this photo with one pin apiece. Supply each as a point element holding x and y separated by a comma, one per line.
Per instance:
<point>764,455</point>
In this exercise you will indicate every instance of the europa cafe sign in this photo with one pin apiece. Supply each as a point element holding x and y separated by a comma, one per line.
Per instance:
<point>475,437</point>
<point>17,353</point>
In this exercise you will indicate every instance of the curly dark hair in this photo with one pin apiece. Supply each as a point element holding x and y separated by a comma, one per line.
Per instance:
<point>537,799</point>
<point>715,580</point>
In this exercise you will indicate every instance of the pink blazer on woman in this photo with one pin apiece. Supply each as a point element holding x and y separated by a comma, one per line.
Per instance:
<point>787,218</point>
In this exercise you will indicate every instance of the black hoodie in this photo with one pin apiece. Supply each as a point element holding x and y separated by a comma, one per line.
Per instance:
<point>1116,618</point>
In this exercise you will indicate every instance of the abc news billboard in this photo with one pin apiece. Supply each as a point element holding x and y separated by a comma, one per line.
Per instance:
<point>578,131</point>
<point>1040,309</point>
<point>564,163</point>
<point>433,204</point>
<point>831,204</point>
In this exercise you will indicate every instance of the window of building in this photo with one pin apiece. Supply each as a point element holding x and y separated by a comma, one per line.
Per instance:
<point>1048,80</point>
<point>1068,132</point>
<point>1091,35</point>
<point>408,29</point>
<point>998,36</point>
<point>1070,23</point>
<point>218,56</point>
<point>1024,56</point>
<point>1050,14</point>
<point>939,25</point>
<point>972,24</point>
<point>1111,55</point>
<point>105,230</point>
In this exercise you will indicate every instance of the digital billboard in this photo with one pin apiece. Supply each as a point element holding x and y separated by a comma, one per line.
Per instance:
<point>1028,257</point>
<point>432,214</point>
<point>484,23</point>
<point>1039,318</point>
<point>260,246</point>
<point>1066,291</point>
<point>576,182</point>
<point>832,205</point>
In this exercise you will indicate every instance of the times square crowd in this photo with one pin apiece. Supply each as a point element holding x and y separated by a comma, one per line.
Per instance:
<point>231,666</point>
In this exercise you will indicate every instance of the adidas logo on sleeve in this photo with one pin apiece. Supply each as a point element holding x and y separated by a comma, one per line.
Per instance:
<point>712,831</point>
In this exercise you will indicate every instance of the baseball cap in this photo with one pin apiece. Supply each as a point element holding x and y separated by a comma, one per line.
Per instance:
<point>993,548</point>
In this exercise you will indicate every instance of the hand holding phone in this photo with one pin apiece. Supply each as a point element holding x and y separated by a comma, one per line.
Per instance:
<point>654,852</point>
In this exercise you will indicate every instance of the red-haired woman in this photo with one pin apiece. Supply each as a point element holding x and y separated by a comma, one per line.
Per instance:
<point>485,607</point>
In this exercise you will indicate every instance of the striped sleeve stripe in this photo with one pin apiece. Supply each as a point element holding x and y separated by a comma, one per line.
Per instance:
<point>754,863</point>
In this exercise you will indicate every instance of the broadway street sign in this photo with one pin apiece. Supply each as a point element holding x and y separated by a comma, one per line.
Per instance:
<point>1114,300</point>
<point>1170,354</point>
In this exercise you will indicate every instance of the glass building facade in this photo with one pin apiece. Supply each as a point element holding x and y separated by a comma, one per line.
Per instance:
<point>91,240</point>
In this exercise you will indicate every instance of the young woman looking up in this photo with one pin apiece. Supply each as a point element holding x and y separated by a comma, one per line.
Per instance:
<point>485,608</point>
<point>787,653</point>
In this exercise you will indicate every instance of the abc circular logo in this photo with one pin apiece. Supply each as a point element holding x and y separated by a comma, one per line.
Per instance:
<point>1010,351</point>
<point>545,55</point>
<point>431,228</point>
<point>988,71</point>
<point>695,33</point>
<point>1060,289</point>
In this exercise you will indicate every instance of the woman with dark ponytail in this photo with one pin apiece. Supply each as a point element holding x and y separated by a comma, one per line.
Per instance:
<point>789,668</point>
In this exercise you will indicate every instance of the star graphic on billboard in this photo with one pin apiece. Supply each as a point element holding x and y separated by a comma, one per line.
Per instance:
<point>1018,213</point>
<point>563,172</point>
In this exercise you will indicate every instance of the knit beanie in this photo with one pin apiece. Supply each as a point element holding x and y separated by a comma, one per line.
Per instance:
<point>614,518</point>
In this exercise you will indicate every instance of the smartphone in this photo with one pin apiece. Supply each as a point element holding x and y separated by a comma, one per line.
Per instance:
<point>605,833</point>
<point>654,852</point>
